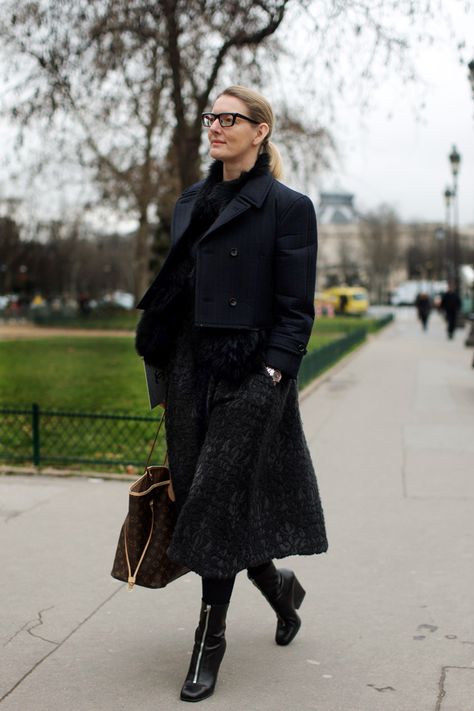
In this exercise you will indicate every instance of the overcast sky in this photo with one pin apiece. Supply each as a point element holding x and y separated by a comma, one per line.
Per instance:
<point>390,155</point>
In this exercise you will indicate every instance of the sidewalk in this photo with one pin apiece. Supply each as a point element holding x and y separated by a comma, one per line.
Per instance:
<point>388,621</point>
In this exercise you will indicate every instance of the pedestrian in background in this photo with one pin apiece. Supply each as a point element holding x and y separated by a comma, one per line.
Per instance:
<point>450,305</point>
<point>228,319</point>
<point>423,307</point>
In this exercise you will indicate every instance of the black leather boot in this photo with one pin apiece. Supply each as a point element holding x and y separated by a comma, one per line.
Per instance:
<point>208,651</point>
<point>285,594</point>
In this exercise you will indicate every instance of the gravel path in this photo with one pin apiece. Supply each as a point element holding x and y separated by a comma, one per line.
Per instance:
<point>14,332</point>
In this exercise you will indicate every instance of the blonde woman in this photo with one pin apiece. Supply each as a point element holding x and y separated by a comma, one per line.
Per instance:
<point>228,319</point>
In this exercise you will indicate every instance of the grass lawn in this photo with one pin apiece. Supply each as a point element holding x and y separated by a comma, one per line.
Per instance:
<point>81,375</point>
<point>91,374</point>
<point>100,373</point>
<point>344,324</point>
<point>127,320</point>
<point>86,375</point>
<point>74,373</point>
<point>117,320</point>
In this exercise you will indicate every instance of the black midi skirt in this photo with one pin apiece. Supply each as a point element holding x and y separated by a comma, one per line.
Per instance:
<point>244,481</point>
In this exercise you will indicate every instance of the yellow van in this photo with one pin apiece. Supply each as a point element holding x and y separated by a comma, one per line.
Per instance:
<point>350,300</point>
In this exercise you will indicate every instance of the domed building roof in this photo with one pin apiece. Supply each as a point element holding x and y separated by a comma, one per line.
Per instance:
<point>337,208</point>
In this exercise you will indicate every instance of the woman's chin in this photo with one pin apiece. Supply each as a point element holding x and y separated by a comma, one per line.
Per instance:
<point>216,152</point>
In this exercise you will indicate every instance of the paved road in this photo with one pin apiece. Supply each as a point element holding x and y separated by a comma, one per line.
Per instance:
<point>388,621</point>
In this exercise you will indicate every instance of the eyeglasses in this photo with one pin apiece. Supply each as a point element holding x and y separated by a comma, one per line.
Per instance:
<point>225,119</point>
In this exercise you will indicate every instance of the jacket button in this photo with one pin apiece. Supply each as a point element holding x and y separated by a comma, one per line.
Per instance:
<point>234,252</point>
<point>301,347</point>
<point>232,301</point>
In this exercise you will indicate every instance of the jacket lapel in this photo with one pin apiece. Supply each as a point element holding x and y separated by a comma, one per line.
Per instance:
<point>182,218</point>
<point>253,194</point>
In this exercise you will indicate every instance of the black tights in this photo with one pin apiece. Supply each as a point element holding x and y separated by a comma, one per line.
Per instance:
<point>218,591</point>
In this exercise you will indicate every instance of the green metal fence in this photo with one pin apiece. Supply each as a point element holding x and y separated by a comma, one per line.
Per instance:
<point>315,362</point>
<point>381,322</point>
<point>31,434</point>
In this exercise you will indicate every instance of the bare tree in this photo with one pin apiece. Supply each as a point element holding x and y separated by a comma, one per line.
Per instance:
<point>380,237</point>
<point>10,251</point>
<point>132,77</point>
<point>121,84</point>
<point>348,263</point>
<point>63,259</point>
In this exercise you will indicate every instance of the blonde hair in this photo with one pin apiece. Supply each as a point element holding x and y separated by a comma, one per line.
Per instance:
<point>260,110</point>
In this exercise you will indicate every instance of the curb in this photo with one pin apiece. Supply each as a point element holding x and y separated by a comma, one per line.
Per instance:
<point>7,470</point>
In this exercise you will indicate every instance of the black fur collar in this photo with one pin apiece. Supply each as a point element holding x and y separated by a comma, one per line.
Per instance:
<point>215,193</point>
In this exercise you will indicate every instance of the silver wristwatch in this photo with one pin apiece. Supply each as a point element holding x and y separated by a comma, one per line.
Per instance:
<point>273,373</point>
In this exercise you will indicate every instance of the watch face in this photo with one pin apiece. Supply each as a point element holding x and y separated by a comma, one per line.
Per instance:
<point>274,374</point>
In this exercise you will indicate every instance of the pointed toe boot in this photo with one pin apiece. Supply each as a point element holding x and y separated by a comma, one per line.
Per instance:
<point>285,594</point>
<point>208,651</point>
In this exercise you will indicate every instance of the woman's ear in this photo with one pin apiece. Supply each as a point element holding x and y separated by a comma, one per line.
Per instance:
<point>262,132</point>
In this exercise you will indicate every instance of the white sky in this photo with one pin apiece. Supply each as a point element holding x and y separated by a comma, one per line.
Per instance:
<point>389,155</point>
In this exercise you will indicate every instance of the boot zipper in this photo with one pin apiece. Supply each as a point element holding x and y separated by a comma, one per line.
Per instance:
<point>201,649</point>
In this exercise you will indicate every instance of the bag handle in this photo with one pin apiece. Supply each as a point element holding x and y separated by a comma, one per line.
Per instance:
<point>132,577</point>
<point>165,463</point>
<point>154,442</point>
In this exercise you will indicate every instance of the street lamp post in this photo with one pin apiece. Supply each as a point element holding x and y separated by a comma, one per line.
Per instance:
<point>440,237</point>
<point>455,160</point>
<point>471,75</point>
<point>449,257</point>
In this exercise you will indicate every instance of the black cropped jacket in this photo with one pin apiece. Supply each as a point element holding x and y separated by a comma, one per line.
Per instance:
<point>255,271</point>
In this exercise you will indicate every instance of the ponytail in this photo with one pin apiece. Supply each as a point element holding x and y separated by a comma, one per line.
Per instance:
<point>276,163</point>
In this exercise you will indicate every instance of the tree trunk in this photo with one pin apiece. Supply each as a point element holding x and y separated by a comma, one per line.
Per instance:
<point>141,276</point>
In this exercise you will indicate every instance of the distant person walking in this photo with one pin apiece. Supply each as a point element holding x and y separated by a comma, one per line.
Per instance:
<point>423,307</point>
<point>450,304</point>
<point>228,319</point>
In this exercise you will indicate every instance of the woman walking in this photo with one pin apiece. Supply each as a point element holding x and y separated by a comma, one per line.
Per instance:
<point>228,319</point>
<point>423,307</point>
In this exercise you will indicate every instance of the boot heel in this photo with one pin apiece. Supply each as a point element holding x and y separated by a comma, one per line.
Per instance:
<point>298,593</point>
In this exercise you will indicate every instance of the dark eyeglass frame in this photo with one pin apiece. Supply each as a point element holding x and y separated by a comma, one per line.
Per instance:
<point>224,113</point>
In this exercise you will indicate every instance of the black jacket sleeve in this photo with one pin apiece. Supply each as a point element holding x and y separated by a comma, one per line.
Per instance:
<point>294,285</point>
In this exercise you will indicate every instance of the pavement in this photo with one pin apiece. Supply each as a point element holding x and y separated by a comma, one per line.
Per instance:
<point>388,619</point>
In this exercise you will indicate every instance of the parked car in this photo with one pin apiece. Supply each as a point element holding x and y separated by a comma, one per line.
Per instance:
<point>119,298</point>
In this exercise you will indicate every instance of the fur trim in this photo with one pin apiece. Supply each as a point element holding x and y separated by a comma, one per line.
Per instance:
<point>153,339</point>
<point>230,354</point>
<point>216,193</point>
<point>157,329</point>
